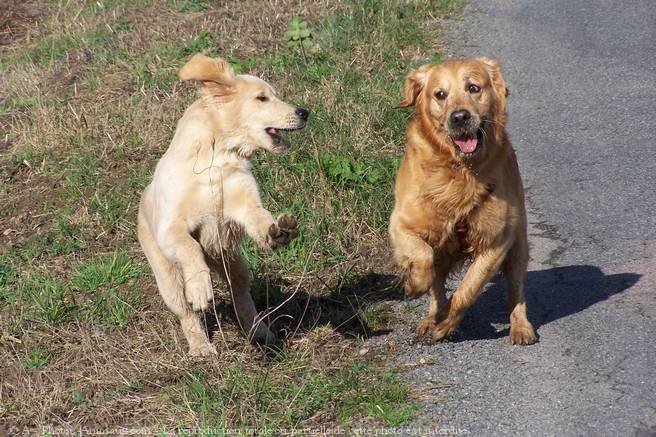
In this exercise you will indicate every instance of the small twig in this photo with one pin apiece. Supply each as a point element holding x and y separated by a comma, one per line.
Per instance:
<point>11,338</point>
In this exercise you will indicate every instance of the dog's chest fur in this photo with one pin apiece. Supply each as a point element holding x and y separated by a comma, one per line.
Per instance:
<point>211,175</point>
<point>464,212</point>
<point>217,237</point>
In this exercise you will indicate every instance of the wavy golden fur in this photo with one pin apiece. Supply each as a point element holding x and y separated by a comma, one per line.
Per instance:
<point>459,195</point>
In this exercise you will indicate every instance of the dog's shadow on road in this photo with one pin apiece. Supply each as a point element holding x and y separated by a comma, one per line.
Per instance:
<point>551,294</point>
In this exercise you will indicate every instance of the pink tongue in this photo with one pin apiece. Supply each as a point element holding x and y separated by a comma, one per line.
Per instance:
<point>468,145</point>
<point>272,130</point>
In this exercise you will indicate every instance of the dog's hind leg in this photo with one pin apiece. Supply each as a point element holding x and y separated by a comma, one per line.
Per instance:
<point>514,269</point>
<point>234,271</point>
<point>170,288</point>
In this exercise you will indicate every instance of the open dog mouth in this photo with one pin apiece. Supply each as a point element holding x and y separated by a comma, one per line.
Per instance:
<point>468,144</point>
<point>278,141</point>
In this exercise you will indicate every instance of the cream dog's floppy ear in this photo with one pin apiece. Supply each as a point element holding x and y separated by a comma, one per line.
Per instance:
<point>498,83</point>
<point>414,83</point>
<point>215,74</point>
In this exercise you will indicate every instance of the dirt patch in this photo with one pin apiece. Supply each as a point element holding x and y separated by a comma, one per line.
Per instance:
<point>17,17</point>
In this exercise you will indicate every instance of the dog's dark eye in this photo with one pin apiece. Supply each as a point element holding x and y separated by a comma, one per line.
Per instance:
<point>473,88</point>
<point>262,98</point>
<point>440,95</point>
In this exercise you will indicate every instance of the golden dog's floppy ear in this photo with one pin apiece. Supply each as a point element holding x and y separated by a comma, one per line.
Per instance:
<point>498,84</point>
<point>414,83</point>
<point>216,74</point>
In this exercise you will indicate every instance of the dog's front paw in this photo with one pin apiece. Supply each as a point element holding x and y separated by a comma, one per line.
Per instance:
<point>198,291</point>
<point>425,327</point>
<point>523,335</point>
<point>282,231</point>
<point>443,330</point>
<point>202,349</point>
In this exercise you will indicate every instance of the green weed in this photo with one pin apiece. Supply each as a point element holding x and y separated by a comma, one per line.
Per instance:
<point>36,358</point>
<point>105,272</point>
<point>203,42</point>
<point>7,277</point>
<point>375,316</point>
<point>101,277</point>
<point>51,303</point>
<point>299,35</point>
<point>192,5</point>
<point>346,171</point>
<point>82,401</point>
<point>111,309</point>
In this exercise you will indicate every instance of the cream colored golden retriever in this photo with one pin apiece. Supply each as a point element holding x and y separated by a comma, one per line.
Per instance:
<point>203,196</point>
<point>459,195</point>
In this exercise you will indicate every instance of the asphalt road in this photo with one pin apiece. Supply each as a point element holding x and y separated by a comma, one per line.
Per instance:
<point>582,76</point>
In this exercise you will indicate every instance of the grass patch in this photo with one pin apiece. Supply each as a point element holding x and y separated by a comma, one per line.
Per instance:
<point>101,278</point>
<point>354,391</point>
<point>36,358</point>
<point>375,315</point>
<point>51,302</point>
<point>109,271</point>
<point>346,165</point>
<point>113,310</point>
<point>7,277</point>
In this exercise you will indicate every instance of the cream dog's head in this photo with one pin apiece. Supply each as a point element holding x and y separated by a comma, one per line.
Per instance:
<point>460,103</point>
<point>249,107</point>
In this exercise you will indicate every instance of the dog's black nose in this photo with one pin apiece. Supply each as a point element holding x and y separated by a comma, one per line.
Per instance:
<point>460,117</point>
<point>303,113</point>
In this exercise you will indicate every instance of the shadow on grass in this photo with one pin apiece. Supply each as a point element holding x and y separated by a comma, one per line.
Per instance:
<point>350,308</point>
<point>551,294</point>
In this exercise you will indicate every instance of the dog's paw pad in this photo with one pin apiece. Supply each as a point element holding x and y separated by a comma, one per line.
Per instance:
<point>287,223</point>
<point>284,230</point>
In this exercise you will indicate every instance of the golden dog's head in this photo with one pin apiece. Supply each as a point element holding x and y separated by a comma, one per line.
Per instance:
<point>460,104</point>
<point>249,105</point>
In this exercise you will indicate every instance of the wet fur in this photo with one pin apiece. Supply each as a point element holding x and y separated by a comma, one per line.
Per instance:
<point>437,189</point>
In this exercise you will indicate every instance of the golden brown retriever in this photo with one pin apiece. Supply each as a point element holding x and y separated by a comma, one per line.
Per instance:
<point>203,196</point>
<point>459,195</point>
